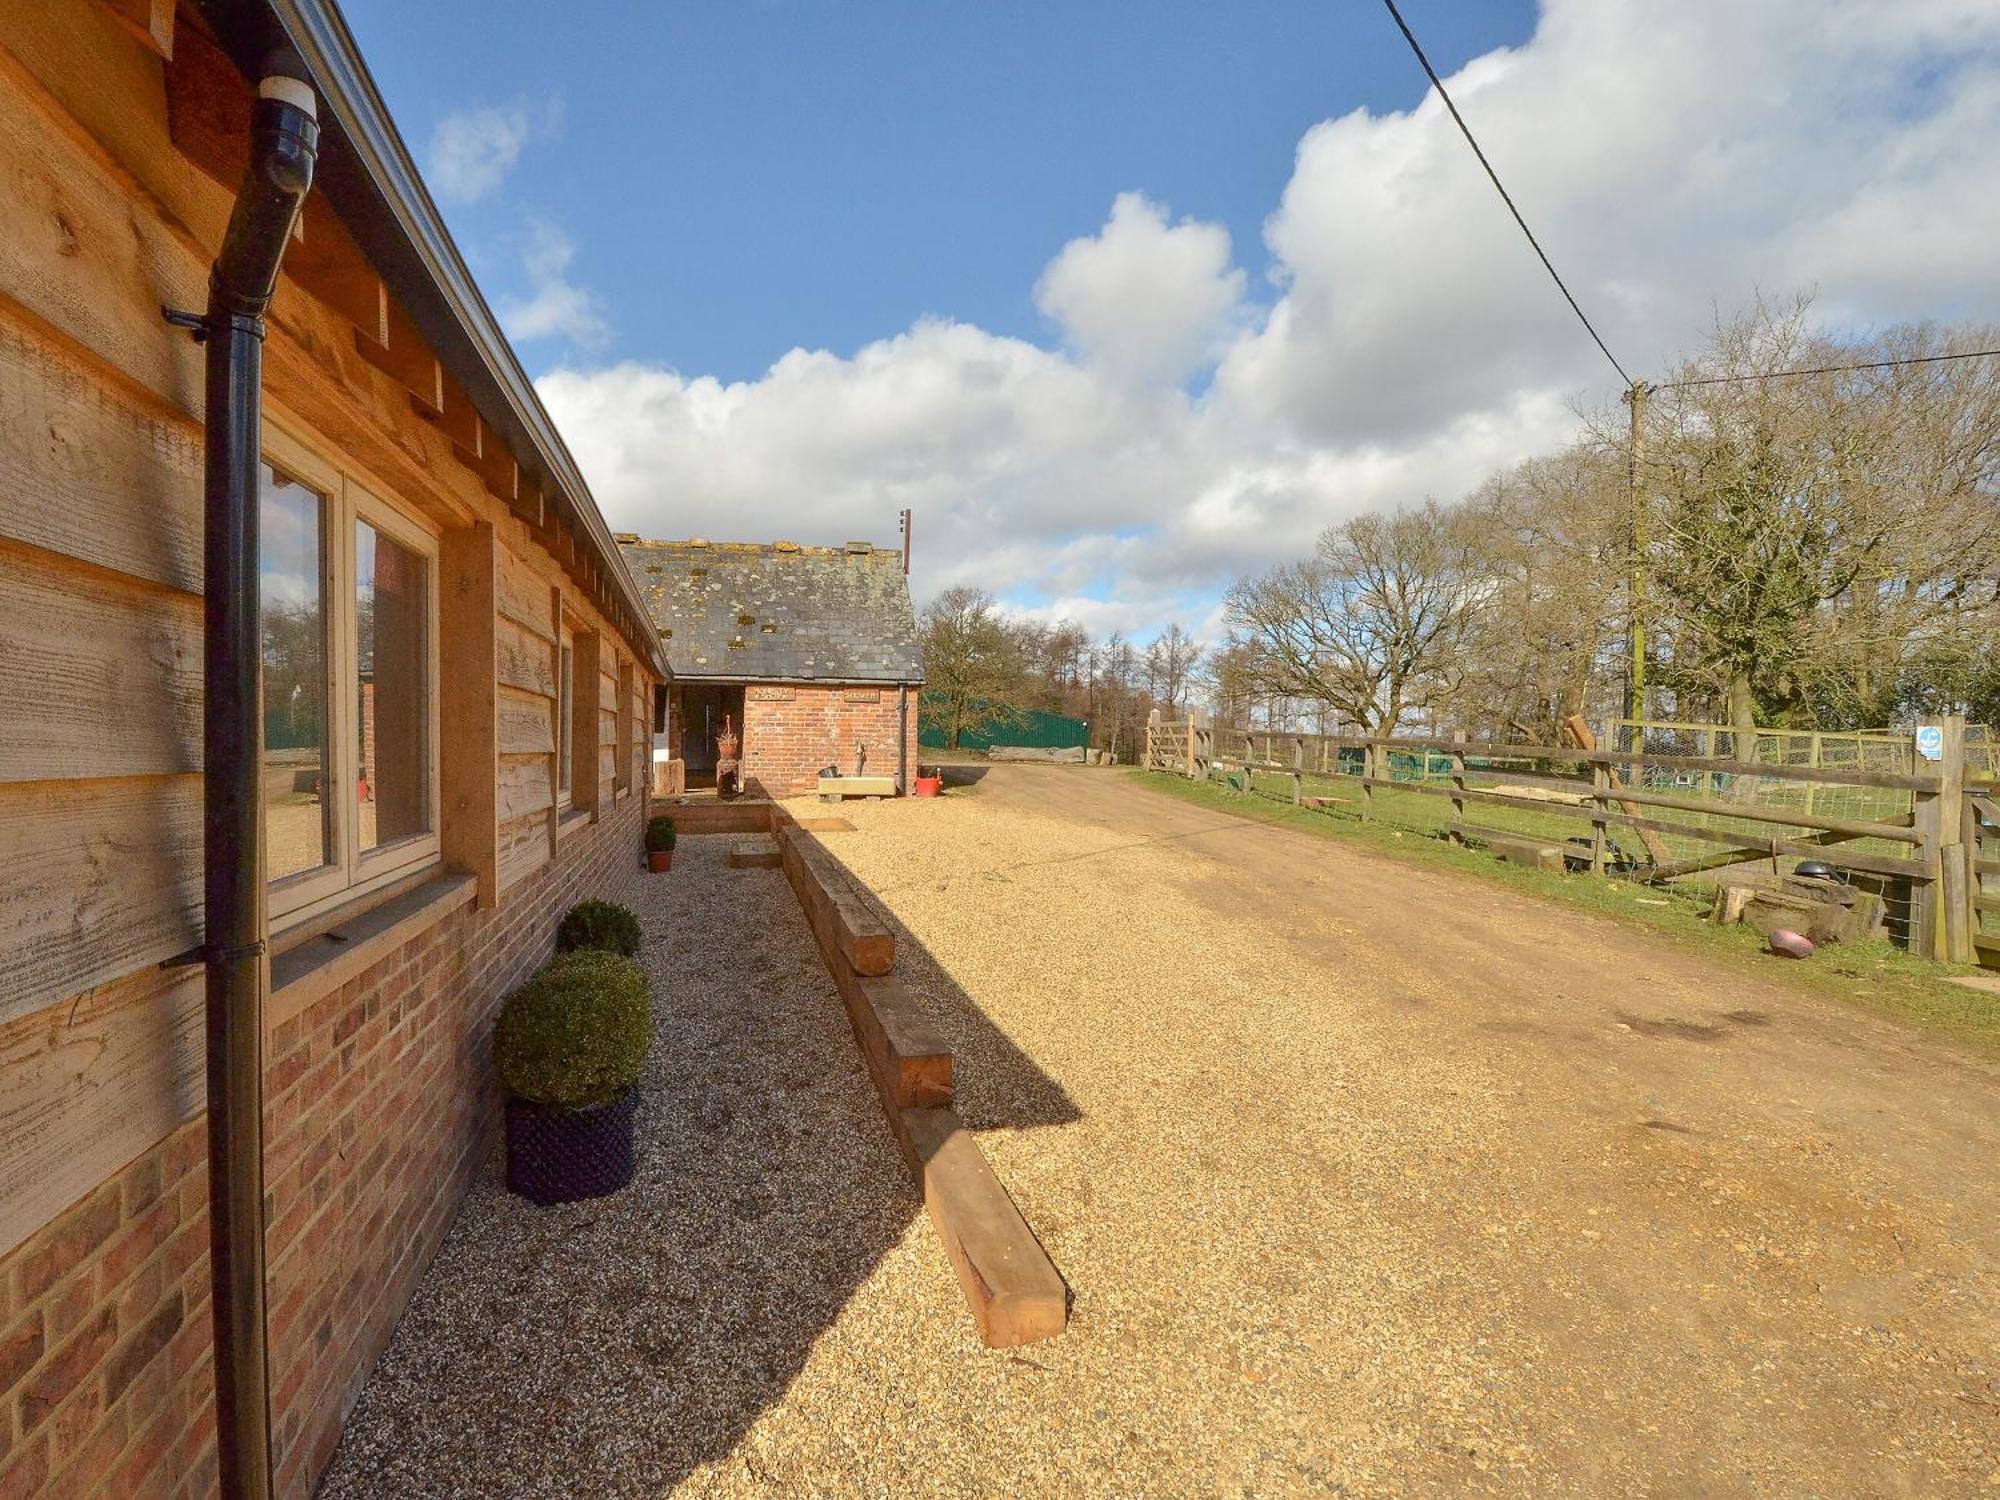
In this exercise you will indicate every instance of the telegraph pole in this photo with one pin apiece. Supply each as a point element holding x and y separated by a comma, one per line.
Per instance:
<point>1635,402</point>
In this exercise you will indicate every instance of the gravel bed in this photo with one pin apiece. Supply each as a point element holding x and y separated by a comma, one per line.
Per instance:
<point>614,1348</point>
<point>1365,1181</point>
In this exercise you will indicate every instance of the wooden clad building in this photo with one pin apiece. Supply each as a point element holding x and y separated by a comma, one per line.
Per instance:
<point>458,684</point>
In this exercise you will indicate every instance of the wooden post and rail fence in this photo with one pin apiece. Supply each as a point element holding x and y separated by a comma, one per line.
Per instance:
<point>1931,827</point>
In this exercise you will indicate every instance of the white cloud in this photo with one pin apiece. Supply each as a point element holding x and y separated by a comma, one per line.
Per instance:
<point>1672,158</point>
<point>1146,299</point>
<point>555,308</point>
<point>473,150</point>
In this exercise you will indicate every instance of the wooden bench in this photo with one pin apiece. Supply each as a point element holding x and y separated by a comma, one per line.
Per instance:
<point>833,788</point>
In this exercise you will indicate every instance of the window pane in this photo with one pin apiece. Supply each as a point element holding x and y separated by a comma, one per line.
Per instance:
<point>298,817</point>
<point>565,717</point>
<point>392,661</point>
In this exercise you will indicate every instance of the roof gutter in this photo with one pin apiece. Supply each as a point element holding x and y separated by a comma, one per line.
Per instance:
<point>368,173</point>
<point>730,679</point>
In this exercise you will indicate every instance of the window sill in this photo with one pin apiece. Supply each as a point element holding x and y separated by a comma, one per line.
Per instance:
<point>571,820</point>
<point>314,967</point>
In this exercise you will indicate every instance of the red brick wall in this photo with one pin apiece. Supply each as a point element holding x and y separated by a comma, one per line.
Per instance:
<point>380,1105</point>
<point>789,733</point>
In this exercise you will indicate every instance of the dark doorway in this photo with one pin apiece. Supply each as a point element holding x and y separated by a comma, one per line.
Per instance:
<point>699,710</point>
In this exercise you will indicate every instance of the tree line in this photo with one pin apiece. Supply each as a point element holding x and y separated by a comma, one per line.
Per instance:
<point>1818,551</point>
<point>984,669</point>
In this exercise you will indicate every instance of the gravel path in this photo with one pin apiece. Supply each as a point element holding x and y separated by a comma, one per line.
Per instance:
<point>1366,1179</point>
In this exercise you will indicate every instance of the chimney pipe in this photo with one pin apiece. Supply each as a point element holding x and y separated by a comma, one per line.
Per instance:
<point>906,544</point>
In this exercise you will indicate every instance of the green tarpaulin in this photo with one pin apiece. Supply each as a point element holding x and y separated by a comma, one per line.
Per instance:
<point>983,730</point>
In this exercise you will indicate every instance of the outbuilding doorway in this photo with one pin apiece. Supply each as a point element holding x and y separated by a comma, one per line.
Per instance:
<point>699,710</point>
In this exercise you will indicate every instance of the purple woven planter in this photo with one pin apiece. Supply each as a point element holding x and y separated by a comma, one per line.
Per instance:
<point>557,1155</point>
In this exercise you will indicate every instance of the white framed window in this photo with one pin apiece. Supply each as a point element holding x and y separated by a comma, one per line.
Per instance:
<point>565,715</point>
<point>622,773</point>
<point>350,668</point>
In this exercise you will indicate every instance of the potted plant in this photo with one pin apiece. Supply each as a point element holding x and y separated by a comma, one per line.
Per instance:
<point>660,835</point>
<point>603,925</point>
<point>570,1047</point>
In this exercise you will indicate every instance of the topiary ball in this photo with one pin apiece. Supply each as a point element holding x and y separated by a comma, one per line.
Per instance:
<point>660,833</point>
<point>599,924</point>
<point>577,1033</point>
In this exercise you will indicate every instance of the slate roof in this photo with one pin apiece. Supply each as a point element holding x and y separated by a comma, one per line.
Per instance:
<point>776,611</point>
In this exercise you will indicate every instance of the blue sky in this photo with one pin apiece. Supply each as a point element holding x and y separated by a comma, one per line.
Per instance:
<point>1126,301</point>
<point>740,179</point>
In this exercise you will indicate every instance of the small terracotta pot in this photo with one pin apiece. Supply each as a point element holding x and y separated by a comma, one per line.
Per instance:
<point>929,786</point>
<point>659,860</point>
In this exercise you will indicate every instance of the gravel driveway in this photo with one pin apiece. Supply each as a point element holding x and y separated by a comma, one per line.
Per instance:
<point>1367,1180</point>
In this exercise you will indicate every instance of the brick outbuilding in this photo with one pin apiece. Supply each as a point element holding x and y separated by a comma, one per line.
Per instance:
<point>808,653</point>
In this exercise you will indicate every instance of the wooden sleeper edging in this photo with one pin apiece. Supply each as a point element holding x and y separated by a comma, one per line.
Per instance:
<point>1015,1293</point>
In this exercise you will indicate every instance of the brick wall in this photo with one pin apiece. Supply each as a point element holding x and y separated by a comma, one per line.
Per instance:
<point>380,1105</point>
<point>790,732</point>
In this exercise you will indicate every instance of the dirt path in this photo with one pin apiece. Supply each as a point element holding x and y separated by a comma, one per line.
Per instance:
<point>1430,1186</point>
<point>1367,1180</point>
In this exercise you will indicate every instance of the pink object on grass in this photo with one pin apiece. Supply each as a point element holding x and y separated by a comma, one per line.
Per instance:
<point>1788,944</point>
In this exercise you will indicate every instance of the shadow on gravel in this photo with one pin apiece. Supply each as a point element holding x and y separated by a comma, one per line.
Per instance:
<point>614,1348</point>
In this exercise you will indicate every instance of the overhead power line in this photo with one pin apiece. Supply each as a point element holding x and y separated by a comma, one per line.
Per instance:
<point>1868,364</point>
<point>1466,130</point>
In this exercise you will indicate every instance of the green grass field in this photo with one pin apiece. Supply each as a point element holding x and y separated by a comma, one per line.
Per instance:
<point>1409,826</point>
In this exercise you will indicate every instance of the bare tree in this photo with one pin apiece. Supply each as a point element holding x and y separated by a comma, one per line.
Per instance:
<point>1064,647</point>
<point>1171,662</point>
<point>1552,537</point>
<point>1375,625</point>
<point>975,671</point>
<point>1230,678</point>
<point>1820,550</point>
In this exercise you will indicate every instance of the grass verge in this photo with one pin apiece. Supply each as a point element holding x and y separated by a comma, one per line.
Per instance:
<point>1877,976</point>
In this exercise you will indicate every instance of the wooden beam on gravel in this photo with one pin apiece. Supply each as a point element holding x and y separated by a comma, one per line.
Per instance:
<point>840,916</point>
<point>753,854</point>
<point>907,1058</point>
<point>1013,1289</point>
<point>714,816</point>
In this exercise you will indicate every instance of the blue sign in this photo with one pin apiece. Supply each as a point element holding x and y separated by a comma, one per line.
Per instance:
<point>1930,741</point>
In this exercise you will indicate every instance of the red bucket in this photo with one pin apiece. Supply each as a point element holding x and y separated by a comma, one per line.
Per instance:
<point>929,786</point>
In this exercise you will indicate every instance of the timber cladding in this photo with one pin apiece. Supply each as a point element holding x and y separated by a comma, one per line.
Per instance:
<point>380,1106</point>
<point>379,1096</point>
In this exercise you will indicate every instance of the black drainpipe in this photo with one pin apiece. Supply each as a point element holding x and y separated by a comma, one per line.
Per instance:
<point>902,739</point>
<point>284,144</point>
